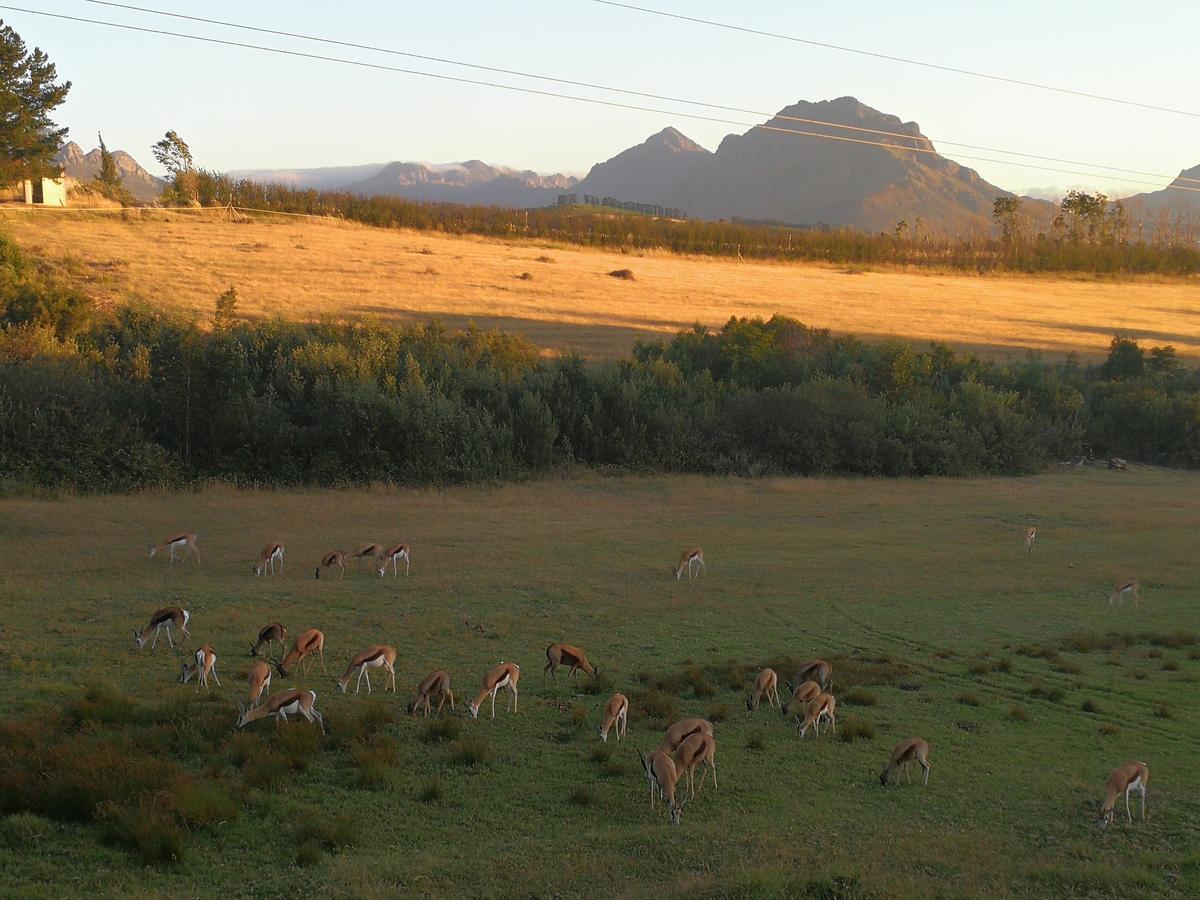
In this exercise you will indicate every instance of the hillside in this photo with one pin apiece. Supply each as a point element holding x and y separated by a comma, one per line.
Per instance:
<point>306,269</point>
<point>85,166</point>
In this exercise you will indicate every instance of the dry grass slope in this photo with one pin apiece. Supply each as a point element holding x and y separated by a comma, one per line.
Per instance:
<point>300,268</point>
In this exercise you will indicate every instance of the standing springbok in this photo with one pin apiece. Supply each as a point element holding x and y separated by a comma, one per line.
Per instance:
<point>271,554</point>
<point>682,730</point>
<point>767,683</point>
<point>1030,537</point>
<point>1124,780</point>
<point>808,690</point>
<point>903,753</point>
<point>696,750</point>
<point>306,643</point>
<point>504,675</point>
<point>259,678</point>
<point>331,559</point>
<point>268,635</point>
<point>379,656</point>
<point>616,713</point>
<point>435,684</point>
<point>186,542</point>
<point>824,707</point>
<point>280,706</point>
<point>206,664</point>
<point>392,554</point>
<point>164,618</point>
<point>694,561</point>
<point>1128,586</point>
<point>663,777</point>
<point>566,655</point>
<point>818,670</point>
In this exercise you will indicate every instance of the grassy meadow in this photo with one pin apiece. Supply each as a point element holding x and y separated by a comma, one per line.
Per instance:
<point>562,298</point>
<point>1028,686</point>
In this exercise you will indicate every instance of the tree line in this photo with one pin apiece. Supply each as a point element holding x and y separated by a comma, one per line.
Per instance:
<point>137,398</point>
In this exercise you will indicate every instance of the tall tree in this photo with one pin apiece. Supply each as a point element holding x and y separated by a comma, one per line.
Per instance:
<point>108,179</point>
<point>29,92</point>
<point>174,155</point>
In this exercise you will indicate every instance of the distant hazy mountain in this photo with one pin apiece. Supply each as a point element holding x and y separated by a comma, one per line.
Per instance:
<point>328,178</point>
<point>85,166</point>
<point>1171,198</point>
<point>767,174</point>
<point>472,182</point>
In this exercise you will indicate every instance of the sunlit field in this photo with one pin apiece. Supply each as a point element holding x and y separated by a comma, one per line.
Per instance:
<point>563,298</point>
<point>1029,687</point>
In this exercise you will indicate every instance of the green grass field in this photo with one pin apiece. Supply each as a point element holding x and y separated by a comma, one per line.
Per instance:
<point>921,593</point>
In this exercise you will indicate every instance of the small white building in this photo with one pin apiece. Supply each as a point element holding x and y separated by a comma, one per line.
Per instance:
<point>46,191</point>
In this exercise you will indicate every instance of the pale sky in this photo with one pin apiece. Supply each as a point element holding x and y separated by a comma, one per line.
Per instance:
<point>241,108</point>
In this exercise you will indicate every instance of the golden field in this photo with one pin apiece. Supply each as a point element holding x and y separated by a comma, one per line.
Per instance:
<point>304,268</point>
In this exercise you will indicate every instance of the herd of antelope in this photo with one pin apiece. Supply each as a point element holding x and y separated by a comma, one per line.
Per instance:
<point>686,745</point>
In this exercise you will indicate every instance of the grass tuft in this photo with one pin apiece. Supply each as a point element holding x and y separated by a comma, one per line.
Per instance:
<point>969,698</point>
<point>859,697</point>
<point>1018,714</point>
<point>433,790</point>
<point>439,731</point>
<point>581,795</point>
<point>853,729</point>
<point>473,751</point>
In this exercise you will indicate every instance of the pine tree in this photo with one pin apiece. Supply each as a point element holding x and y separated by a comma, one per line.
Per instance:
<point>109,179</point>
<point>28,94</point>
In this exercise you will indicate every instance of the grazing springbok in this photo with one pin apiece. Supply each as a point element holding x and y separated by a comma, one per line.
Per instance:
<point>1030,537</point>
<point>681,731</point>
<point>331,559</point>
<point>186,542</point>
<point>818,670</point>
<point>259,678</point>
<point>903,753</point>
<point>1124,780</point>
<point>824,707</point>
<point>696,750</point>
<point>271,554</point>
<point>808,690</point>
<point>206,664</point>
<point>694,561</point>
<point>306,643</point>
<point>1128,586</point>
<point>616,713</point>
<point>379,656</point>
<point>436,684</point>
<point>164,618</point>
<point>663,777</point>
<point>392,554</point>
<point>504,675</point>
<point>369,551</point>
<point>280,706</point>
<point>268,635</point>
<point>767,683</point>
<point>566,655</point>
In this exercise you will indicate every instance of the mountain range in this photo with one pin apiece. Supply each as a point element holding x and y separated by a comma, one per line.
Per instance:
<point>875,171</point>
<point>85,166</point>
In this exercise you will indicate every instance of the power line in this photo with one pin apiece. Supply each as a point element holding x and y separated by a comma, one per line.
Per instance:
<point>555,94</point>
<point>627,92</point>
<point>899,59</point>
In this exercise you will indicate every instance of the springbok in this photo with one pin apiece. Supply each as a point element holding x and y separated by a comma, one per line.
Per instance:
<point>369,551</point>
<point>379,656</point>
<point>1124,780</point>
<point>818,670</point>
<point>1128,586</point>
<point>696,750</point>
<point>164,618</point>
<point>271,554</point>
<point>206,664</point>
<point>268,635</point>
<point>280,706</point>
<point>435,684</point>
<point>259,678</point>
<point>504,675</point>
<point>185,541</point>
<point>694,561</point>
<point>307,642</point>
<point>566,655</point>
<point>616,713</point>
<point>824,707</point>
<point>331,559</point>
<point>392,554</point>
<point>808,690</point>
<point>1030,537</point>
<point>767,683</point>
<point>903,753</point>
<point>663,777</point>
<point>682,730</point>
